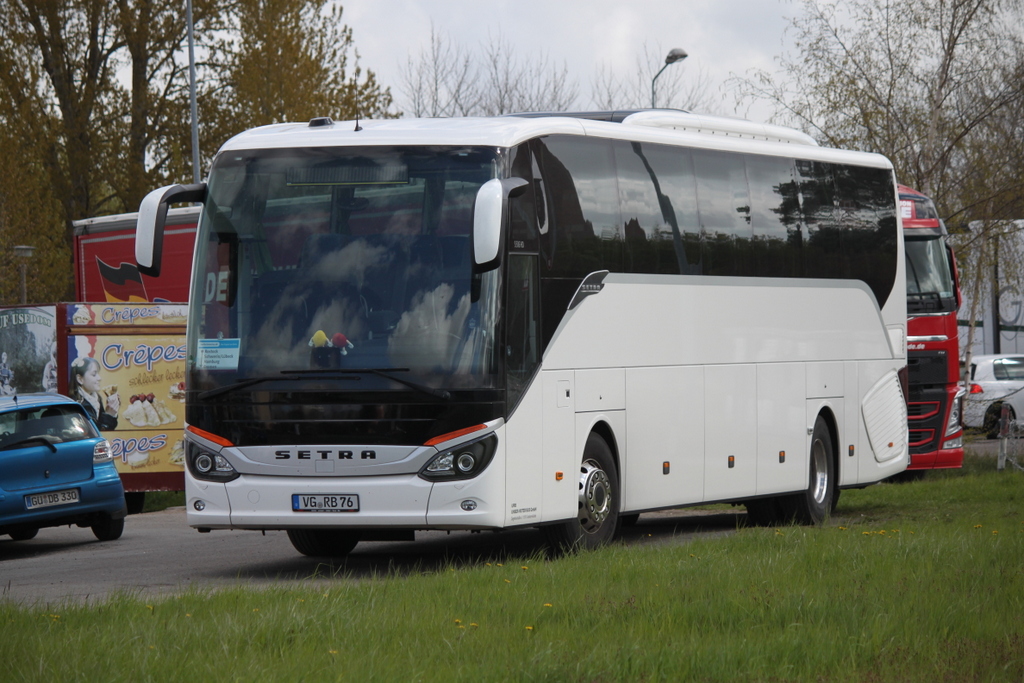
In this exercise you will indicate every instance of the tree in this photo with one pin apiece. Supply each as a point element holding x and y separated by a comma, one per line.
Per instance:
<point>289,60</point>
<point>923,83</point>
<point>94,101</point>
<point>447,79</point>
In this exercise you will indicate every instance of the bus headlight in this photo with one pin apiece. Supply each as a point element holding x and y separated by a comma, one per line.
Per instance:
<point>462,462</point>
<point>208,466</point>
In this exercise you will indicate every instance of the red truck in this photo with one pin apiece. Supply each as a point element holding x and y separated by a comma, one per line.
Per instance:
<point>935,403</point>
<point>118,349</point>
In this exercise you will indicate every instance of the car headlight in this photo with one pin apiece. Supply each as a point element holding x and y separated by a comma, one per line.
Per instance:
<point>462,462</point>
<point>101,452</point>
<point>206,465</point>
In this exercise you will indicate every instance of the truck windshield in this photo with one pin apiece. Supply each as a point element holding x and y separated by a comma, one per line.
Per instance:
<point>314,264</point>
<point>930,286</point>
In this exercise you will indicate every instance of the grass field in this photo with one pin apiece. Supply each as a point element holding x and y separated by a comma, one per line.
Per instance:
<point>921,581</point>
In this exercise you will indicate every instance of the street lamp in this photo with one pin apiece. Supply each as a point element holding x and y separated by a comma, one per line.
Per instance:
<point>24,253</point>
<point>676,54</point>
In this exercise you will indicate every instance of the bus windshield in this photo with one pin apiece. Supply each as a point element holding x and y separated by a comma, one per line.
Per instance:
<point>349,262</point>
<point>929,276</point>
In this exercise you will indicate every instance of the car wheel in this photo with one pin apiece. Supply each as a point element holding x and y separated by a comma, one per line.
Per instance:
<point>108,529</point>
<point>24,534</point>
<point>992,416</point>
<point>323,542</point>
<point>135,501</point>
<point>597,518</point>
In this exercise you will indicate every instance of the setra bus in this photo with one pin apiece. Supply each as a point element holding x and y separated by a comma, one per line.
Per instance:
<point>540,320</point>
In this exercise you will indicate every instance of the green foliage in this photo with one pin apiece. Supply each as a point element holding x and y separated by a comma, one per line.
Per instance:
<point>910,582</point>
<point>94,104</point>
<point>289,60</point>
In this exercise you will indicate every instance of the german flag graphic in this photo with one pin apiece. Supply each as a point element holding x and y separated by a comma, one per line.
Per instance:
<point>123,284</point>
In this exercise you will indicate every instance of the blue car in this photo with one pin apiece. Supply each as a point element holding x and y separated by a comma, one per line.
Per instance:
<point>55,469</point>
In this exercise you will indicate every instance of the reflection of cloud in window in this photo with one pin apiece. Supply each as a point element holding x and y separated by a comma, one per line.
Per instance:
<point>427,336</point>
<point>600,203</point>
<point>349,264</point>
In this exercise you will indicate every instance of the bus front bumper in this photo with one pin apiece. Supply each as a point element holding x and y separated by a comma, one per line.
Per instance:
<point>393,502</point>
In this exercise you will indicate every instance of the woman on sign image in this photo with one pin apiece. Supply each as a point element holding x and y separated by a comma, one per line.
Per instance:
<point>101,404</point>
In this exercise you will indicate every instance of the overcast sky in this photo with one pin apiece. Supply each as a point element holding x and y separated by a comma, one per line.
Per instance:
<point>721,36</point>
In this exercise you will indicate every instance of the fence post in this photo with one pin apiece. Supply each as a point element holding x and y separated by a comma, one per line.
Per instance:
<point>1004,435</point>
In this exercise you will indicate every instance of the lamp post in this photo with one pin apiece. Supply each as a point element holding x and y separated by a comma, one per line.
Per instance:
<point>192,93</point>
<point>24,253</point>
<point>676,54</point>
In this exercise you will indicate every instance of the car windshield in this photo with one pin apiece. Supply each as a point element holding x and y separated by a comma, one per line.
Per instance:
<point>47,424</point>
<point>343,259</point>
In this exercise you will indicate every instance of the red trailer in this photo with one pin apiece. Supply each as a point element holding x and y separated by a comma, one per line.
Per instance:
<point>105,267</point>
<point>119,349</point>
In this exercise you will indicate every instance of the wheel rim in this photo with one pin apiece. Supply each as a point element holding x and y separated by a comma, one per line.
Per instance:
<point>819,472</point>
<point>595,496</point>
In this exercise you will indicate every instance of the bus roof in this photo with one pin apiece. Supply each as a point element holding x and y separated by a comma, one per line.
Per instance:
<point>663,126</point>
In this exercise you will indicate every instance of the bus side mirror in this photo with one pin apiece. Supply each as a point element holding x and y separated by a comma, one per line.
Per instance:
<point>149,230</point>
<point>490,218</point>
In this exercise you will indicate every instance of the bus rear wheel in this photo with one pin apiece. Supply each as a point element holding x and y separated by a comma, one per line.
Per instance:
<point>597,518</point>
<point>323,542</point>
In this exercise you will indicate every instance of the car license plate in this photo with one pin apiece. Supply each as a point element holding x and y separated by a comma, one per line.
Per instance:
<point>325,502</point>
<point>46,500</point>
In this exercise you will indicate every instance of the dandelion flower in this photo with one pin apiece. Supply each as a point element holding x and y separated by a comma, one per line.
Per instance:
<point>474,624</point>
<point>995,531</point>
<point>332,652</point>
<point>458,621</point>
<point>507,581</point>
<point>977,526</point>
<point>529,628</point>
<point>547,604</point>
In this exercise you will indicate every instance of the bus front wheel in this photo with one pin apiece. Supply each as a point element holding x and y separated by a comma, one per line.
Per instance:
<point>323,542</point>
<point>597,518</point>
<point>814,505</point>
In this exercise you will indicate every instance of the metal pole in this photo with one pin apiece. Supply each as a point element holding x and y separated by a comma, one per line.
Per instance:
<point>23,266</point>
<point>997,323</point>
<point>653,80</point>
<point>192,94</point>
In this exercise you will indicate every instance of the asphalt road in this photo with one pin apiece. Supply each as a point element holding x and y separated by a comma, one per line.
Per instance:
<point>160,555</point>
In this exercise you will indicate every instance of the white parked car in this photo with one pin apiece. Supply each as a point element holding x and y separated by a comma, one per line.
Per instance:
<point>995,380</point>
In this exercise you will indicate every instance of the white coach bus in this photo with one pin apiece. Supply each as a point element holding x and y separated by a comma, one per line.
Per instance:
<point>559,321</point>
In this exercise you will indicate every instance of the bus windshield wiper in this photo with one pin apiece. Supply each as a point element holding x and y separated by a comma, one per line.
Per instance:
<point>284,376</point>
<point>386,373</point>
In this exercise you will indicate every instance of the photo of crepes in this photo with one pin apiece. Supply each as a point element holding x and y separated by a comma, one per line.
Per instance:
<point>177,456</point>
<point>148,411</point>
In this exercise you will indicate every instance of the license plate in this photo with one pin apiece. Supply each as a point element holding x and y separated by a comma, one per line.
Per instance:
<point>46,500</point>
<point>325,502</point>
